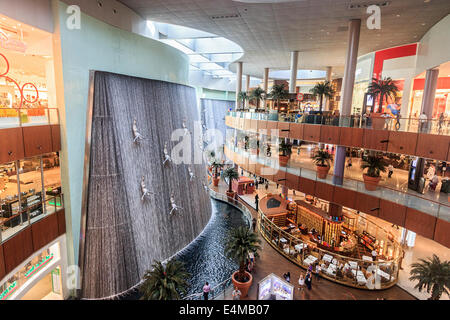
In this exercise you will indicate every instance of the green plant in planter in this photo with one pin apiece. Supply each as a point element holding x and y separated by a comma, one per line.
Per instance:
<point>216,166</point>
<point>322,158</point>
<point>257,94</point>
<point>243,96</point>
<point>322,89</point>
<point>285,148</point>
<point>165,282</point>
<point>240,243</point>
<point>230,174</point>
<point>384,88</point>
<point>374,165</point>
<point>433,275</point>
<point>278,92</point>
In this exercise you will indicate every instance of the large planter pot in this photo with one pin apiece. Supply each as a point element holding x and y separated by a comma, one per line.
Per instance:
<point>242,286</point>
<point>231,195</point>
<point>216,182</point>
<point>283,160</point>
<point>371,183</point>
<point>378,122</point>
<point>322,171</point>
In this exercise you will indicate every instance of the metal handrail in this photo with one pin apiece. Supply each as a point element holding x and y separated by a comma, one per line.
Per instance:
<point>266,161</point>
<point>412,124</point>
<point>29,222</point>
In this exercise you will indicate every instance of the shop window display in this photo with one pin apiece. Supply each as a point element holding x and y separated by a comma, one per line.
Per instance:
<point>30,271</point>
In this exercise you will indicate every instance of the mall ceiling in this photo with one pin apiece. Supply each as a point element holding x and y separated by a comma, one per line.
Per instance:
<point>270,29</point>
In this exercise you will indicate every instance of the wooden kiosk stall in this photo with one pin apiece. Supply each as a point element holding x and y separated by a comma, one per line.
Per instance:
<point>243,186</point>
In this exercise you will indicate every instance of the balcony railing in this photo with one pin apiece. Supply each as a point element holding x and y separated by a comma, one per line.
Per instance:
<point>22,117</point>
<point>414,125</point>
<point>438,208</point>
<point>9,226</point>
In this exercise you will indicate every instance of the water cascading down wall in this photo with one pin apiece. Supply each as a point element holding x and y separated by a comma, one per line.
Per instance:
<point>123,235</point>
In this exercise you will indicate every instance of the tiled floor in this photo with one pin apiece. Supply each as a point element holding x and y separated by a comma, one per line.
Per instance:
<point>270,261</point>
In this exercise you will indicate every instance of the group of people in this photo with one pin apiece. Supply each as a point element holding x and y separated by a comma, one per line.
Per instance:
<point>306,280</point>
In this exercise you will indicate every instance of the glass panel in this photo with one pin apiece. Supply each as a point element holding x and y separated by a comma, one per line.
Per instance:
<point>9,200</point>
<point>52,182</point>
<point>31,187</point>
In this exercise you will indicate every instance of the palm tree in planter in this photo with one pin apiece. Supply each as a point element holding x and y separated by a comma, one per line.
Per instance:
<point>285,153</point>
<point>321,90</point>
<point>216,166</point>
<point>243,96</point>
<point>230,174</point>
<point>257,94</point>
<point>322,160</point>
<point>383,88</point>
<point>374,165</point>
<point>240,243</point>
<point>165,283</point>
<point>277,93</point>
<point>433,275</point>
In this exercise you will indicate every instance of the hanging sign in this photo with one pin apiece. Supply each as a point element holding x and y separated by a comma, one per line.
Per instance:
<point>300,96</point>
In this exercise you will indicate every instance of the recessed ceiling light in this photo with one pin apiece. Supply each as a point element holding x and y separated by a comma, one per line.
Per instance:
<point>423,23</point>
<point>398,15</point>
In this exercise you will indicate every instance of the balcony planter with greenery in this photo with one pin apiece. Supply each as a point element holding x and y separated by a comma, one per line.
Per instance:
<point>374,165</point>
<point>165,282</point>
<point>243,96</point>
<point>230,174</point>
<point>257,94</point>
<point>321,90</point>
<point>216,166</point>
<point>433,275</point>
<point>322,160</point>
<point>278,93</point>
<point>241,242</point>
<point>285,153</point>
<point>383,88</point>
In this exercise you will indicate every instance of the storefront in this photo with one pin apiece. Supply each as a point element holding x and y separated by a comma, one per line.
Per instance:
<point>39,278</point>
<point>273,287</point>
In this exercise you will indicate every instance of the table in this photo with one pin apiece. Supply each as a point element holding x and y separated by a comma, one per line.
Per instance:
<point>288,251</point>
<point>327,257</point>
<point>353,264</point>
<point>366,258</point>
<point>283,240</point>
<point>300,246</point>
<point>383,274</point>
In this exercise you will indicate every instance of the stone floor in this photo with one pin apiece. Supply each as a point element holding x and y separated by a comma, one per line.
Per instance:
<point>270,261</point>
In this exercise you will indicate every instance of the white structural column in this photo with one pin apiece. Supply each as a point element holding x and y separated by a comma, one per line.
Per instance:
<point>347,92</point>
<point>266,83</point>
<point>238,84</point>
<point>328,78</point>
<point>429,92</point>
<point>293,78</point>
<point>247,89</point>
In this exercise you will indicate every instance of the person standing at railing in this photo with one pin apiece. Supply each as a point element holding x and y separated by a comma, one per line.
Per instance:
<point>206,290</point>
<point>422,122</point>
<point>236,294</point>
<point>441,121</point>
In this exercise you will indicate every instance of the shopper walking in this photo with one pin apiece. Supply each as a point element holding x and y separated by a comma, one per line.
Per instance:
<point>254,224</point>
<point>206,290</point>
<point>236,294</point>
<point>318,270</point>
<point>308,280</point>
<point>390,170</point>
<point>257,201</point>
<point>301,282</point>
<point>374,254</point>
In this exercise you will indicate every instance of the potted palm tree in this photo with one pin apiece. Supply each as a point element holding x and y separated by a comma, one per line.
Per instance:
<point>277,93</point>
<point>240,243</point>
<point>165,283</point>
<point>433,275</point>
<point>322,160</point>
<point>321,90</point>
<point>257,94</point>
<point>374,165</point>
<point>285,153</point>
<point>243,96</point>
<point>383,88</point>
<point>216,166</point>
<point>230,174</point>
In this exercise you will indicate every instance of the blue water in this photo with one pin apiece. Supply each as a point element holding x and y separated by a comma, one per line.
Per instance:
<point>204,258</point>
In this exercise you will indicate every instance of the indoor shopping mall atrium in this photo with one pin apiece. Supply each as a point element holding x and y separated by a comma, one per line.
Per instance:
<point>200,151</point>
